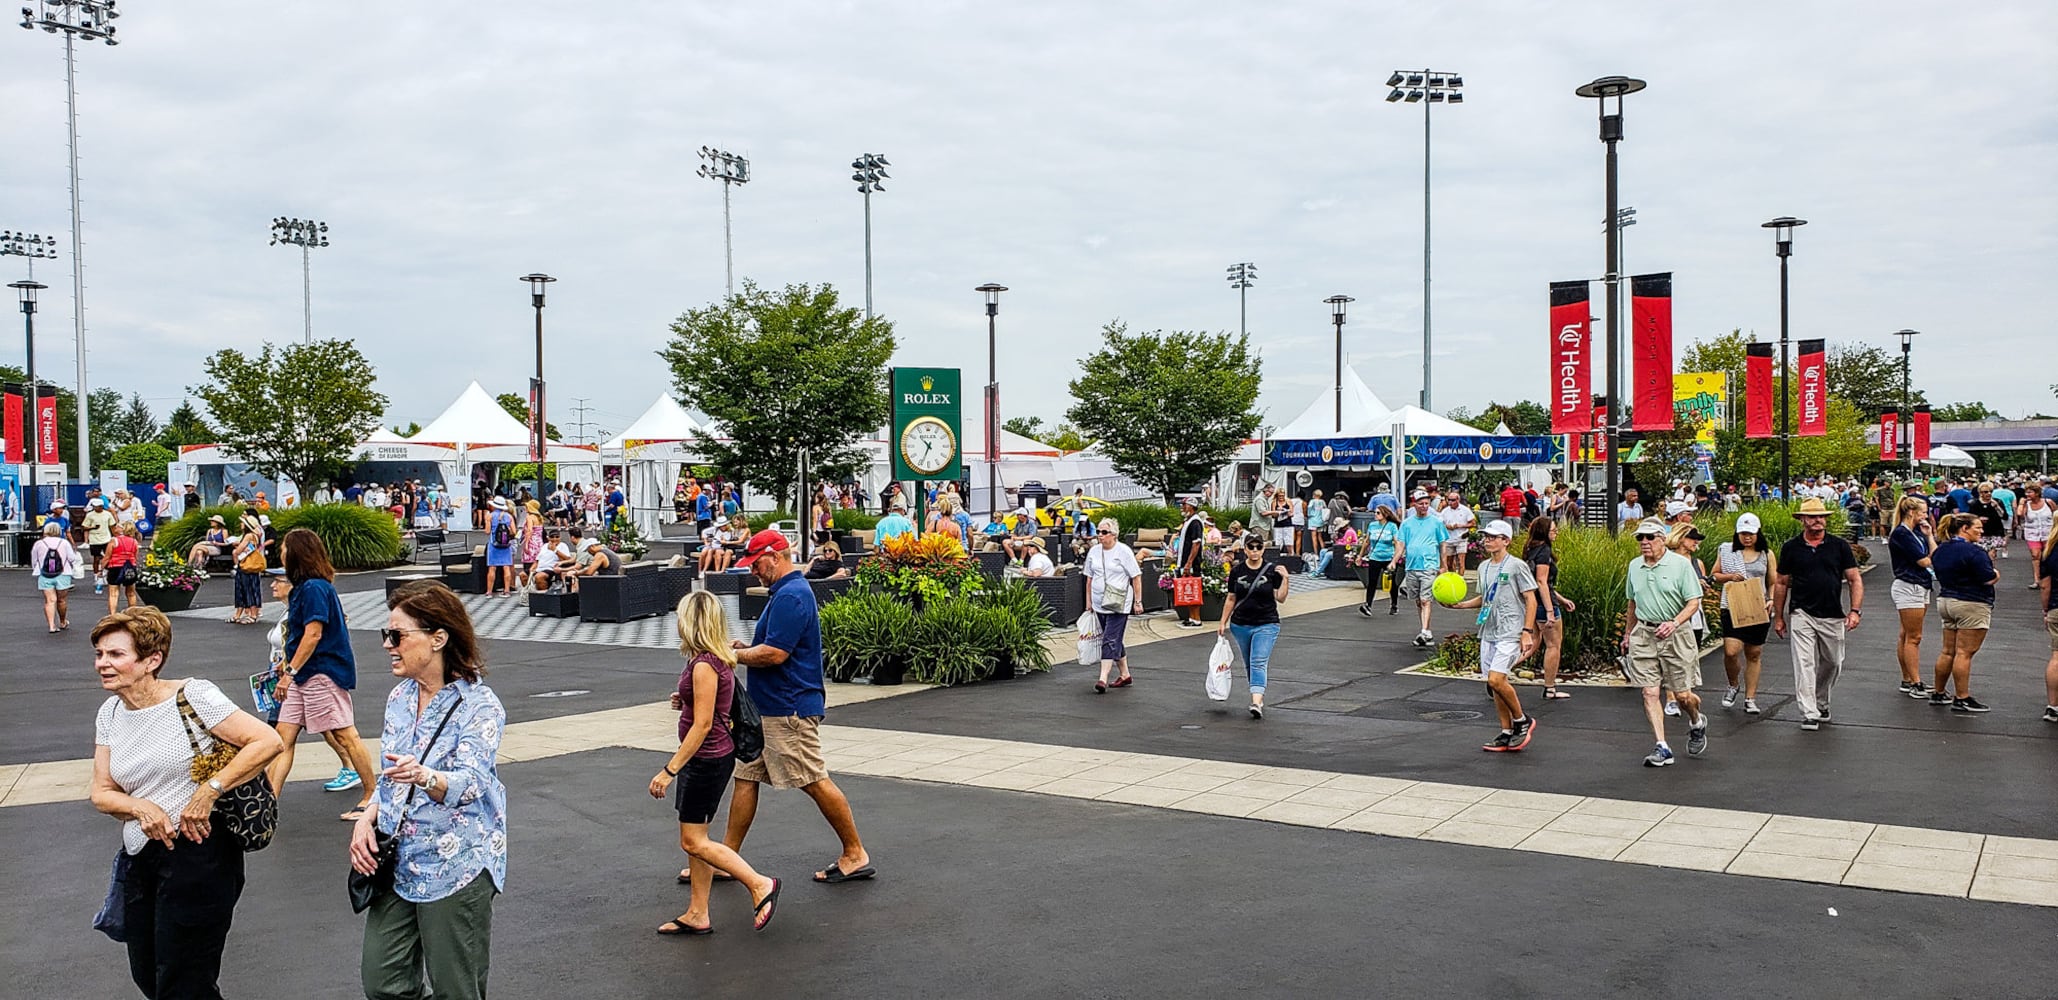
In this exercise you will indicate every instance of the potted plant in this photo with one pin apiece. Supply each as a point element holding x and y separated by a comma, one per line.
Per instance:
<point>166,581</point>
<point>866,635</point>
<point>1015,629</point>
<point>623,537</point>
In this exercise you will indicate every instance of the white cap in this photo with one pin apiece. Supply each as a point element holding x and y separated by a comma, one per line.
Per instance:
<point>1499,528</point>
<point>1650,526</point>
<point>1420,495</point>
<point>1676,508</point>
<point>1748,522</point>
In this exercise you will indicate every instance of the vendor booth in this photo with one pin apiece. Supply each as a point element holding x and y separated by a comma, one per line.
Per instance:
<point>477,431</point>
<point>651,451</point>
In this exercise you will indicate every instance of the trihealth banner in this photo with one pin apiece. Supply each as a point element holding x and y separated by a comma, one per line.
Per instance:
<point>1758,391</point>
<point>1571,357</point>
<point>1702,400</point>
<point>1650,352</point>
<point>1889,436</point>
<point>46,430</point>
<point>10,427</point>
<point>1921,438</point>
<point>1814,399</point>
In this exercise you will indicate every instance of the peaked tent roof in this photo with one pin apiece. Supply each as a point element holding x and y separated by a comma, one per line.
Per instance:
<point>665,422</point>
<point>1415,421</point>
<point>1501,430</point>
<point>473,420</point>
<point>383,436</point>
<point>973,447</point>
<point>1362,413</point>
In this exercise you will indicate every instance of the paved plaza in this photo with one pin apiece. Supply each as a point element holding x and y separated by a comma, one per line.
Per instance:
<point>1036,839</point>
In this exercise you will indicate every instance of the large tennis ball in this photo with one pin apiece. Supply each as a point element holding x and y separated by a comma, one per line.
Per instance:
<point>1449,588</point>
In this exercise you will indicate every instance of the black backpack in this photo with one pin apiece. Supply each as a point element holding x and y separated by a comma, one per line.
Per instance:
<point>53,562</point>
<point>503,533</point>
<point>746,729</point>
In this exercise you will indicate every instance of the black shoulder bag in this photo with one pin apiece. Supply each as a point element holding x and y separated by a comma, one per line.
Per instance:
<point>363,888</point>
<point>249,812</point>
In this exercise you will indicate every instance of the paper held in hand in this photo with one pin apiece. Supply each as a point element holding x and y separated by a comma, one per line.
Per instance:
<point>1746,602</point>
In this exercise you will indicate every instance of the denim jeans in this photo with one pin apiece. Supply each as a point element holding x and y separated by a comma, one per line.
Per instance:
<point>1255,643</point>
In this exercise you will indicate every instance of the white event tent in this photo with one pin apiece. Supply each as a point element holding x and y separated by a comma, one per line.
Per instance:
<point>651,450</point>
<point>475,429</point>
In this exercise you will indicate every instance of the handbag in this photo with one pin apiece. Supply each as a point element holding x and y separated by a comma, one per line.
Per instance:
<point>248,812</point>
<point>1114,593</point>
<point>746,727</point>
<point>386,846</point>
<point>109,920</point>
<point>1186,592</point>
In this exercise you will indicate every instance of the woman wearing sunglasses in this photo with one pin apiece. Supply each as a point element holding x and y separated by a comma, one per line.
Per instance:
<point>1114,591</point>
<point>441,799</point>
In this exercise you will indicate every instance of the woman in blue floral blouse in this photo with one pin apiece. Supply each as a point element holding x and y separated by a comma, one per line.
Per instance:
<point>442,800</point>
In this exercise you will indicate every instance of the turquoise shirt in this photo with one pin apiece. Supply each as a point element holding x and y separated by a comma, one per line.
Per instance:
<point>1423,537</point>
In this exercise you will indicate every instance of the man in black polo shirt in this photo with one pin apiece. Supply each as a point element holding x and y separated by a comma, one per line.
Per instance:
<point>1813,568</point>
<point>1191,533</point>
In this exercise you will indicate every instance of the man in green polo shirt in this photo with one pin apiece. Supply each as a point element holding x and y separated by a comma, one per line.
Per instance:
<point>1664,595</point>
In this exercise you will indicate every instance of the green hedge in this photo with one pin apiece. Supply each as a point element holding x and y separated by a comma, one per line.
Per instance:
<point>854,520</point>
<point>1132,516</point>
<point>357,537</point>
<point>953,640</point>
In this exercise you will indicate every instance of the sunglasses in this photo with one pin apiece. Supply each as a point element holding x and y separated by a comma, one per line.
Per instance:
<point>1105,531</point>
<point>391,636</point>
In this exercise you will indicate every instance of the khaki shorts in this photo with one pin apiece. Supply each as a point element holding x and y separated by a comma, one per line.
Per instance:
<point>2051,626</point>
<point>1965,616</point>
<point>793,753</point>
<point>317,705</point>
<point>1908,596</point>
<point>1672,664</point>
<point>1419,583</point>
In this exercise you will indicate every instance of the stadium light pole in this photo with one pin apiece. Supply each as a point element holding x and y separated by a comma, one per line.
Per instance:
<point>538,441</point>
<point>1783,245</point>
<point>1902,430</point>
<point>75,19</point>
<point>868,170</point>
<point>992,292</point>
<point>731,170</point>
<point>1336,310</point>
<point>1611,133</point>
<point>305,234</point>
<point>30,246</point>
<point>32,446</point>
<point>1241,277</point>
<point>1428,88</point>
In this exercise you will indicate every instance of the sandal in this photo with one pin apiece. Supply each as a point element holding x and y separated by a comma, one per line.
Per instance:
<point>834,873</point>
<point>686,877</point>
<point>678,927</point>
<point>1553,694</point>
<point>766,907</point>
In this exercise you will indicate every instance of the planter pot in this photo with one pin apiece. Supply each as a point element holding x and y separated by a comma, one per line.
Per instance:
<point>167,600</point>
<point>889,673</point>
<point>1003,669</point>
<point>1211,607</point>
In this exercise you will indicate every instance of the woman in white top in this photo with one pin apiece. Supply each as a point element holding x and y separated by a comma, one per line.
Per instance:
<point>1114,591</point>
<point>1297,514</point>
<point>1747,555</point>
<point>177,898</point>
<point>2036,515</point>
<point>54,552</point>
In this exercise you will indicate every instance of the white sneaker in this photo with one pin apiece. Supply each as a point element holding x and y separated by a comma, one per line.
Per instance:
<point>1750,706</point>
<point>1729,698</point>
<point>1671,708</point>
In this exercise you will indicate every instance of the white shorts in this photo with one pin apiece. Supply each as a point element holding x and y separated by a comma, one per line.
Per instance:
<point>1499,657</point>
<point>1283,537</point>
<point>1908,596</point>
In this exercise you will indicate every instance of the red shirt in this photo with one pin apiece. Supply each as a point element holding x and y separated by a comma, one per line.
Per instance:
<point>121,551</point>
<point>1512,500</point>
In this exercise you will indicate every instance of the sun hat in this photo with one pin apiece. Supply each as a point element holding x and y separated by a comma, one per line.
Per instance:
<point>768,540</point>
<point>1748,523</point>
<point>1812,507</point>
<point>1650,526</point>
<point>497,503</point>
<point>1036,542</point>
<point>215,519</point>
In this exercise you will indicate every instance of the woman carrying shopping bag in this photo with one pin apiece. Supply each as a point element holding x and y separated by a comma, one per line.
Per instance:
<point>1250,614</point>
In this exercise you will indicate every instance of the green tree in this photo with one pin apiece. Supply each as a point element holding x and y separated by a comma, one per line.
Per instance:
<point>518,408</point>
<point>297,411</point>
<point>134,424</point>
<point>1869,378</point>
<point>780,372</point>
<point>185,427</point>
<point>102,408</point>
<point>1952,412</point>
<point>1064,437</point>
<point>1522,417</point>
<point>1169,408</point>
<point>1664,456</point>
<point>144,462</point>
<point>415,427</point>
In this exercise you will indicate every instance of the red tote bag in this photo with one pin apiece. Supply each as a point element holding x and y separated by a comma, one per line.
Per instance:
<point>1186,592</point>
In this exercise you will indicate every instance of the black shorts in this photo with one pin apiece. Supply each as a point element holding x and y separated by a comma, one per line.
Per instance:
<point>698,791</point>
<point>1749,635</point>
<point>123,576</point>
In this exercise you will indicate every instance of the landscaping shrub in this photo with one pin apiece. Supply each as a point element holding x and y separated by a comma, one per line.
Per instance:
<point>180,535</point>
<point>1132,516</point>
<point>853,520</point>
<point>951,643</point>
<point>356,537</point>
<point>1224,515</point>
<point>863,630</point>
<point>1017,627</point>
<point>759,522</point>
<point>930,567</point>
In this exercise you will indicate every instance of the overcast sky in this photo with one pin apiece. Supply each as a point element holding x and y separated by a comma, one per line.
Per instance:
<point>1105,161</point>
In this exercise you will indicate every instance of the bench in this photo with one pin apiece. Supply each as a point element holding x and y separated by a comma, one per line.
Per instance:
<point>562,604</point>
<point>1064,597</point>
<point>829,590</point>
<point>993,565</point>
<point>466,575</point>
<point>728,582</point>
<point>1155,598</point>
<point>751,603</point>
<point>639,591</point>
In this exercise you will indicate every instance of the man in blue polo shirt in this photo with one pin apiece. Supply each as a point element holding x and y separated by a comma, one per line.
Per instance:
<point>786,684</point>
<point>893,525</point>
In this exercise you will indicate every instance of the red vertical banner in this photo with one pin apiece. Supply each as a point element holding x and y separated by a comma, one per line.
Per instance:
<point>1921,438</point>
<point>1813,403</point>
<point>1571,357</point>
<point>1758,390</point>
<point>1650,352</point>
<point>10,425</point>
<point>1889,436</point>
<point>46,431</point>
<point>1600,433</point>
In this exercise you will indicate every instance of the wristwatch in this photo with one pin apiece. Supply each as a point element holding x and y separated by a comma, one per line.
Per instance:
<point>215,783</point>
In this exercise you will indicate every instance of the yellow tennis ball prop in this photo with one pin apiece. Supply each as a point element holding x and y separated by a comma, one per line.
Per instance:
<point>1448,589</point>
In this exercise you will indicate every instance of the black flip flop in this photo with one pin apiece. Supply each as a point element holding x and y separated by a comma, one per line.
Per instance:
<point>834,873</point>
<point>683,929</point>
<point>766,908</point>
<point>720,876</point>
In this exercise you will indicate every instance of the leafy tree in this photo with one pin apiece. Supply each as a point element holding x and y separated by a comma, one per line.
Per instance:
<point>1868,378</point>
<point>1522,417</point>
<point>297,411</point>
<point>185,427</point>
<point>1963,412</point>
<point>102,407</point>
<point>1062,436</point>
<point>144,462</point>
<point>415,427</point>
<point>518,408</point>
<point>1667,455</point>
<point>135,424</point>
<point>779,372</point>
<point>1169,408</point>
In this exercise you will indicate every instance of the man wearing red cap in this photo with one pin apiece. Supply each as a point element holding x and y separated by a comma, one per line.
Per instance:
<point>786,684</point>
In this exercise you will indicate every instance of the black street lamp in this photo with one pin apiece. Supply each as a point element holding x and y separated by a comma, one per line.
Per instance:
<point>1336,310</point>
<point>992,292</point>
<point>538,444</point>
<point>1783,244</point>
<point>1611,133</point>
<point>1241,277</point>
<point>32,451</point>
<point>1902,430</point>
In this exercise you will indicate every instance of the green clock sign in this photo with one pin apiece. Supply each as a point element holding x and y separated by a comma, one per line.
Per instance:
<point>927,423</point>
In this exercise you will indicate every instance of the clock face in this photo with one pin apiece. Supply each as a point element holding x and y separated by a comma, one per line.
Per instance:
<point>928,446</point>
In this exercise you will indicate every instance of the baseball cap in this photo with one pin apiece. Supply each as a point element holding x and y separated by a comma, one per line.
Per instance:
<point>1676,507</point>
<point>1419,495</point>
<point>1650,526</point>
<point>1499,528</point>
<point>1748,522</point>
<point>768,540</point>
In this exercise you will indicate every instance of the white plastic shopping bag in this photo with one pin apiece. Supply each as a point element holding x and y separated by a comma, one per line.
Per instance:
<point>1089,625</point>
<point>1218,668</point>
<point>1089,639</point>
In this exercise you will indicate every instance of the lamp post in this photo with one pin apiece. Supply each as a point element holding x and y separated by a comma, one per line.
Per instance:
<point>1336,309</point>
<point>1428,88</point>
<point>76,19</point>
<point>1902,430</point>
<point>1611,133</point>
<point>32,448</point>
<point>1624,218</point>
<point>29,245</point>
<point>992,292</point>
<point>538,444</point>
<point>305,234</point>
<point>868,170</point>
<point>731,170</point>
<point>1783,244</point>
<point>1241,277</point>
